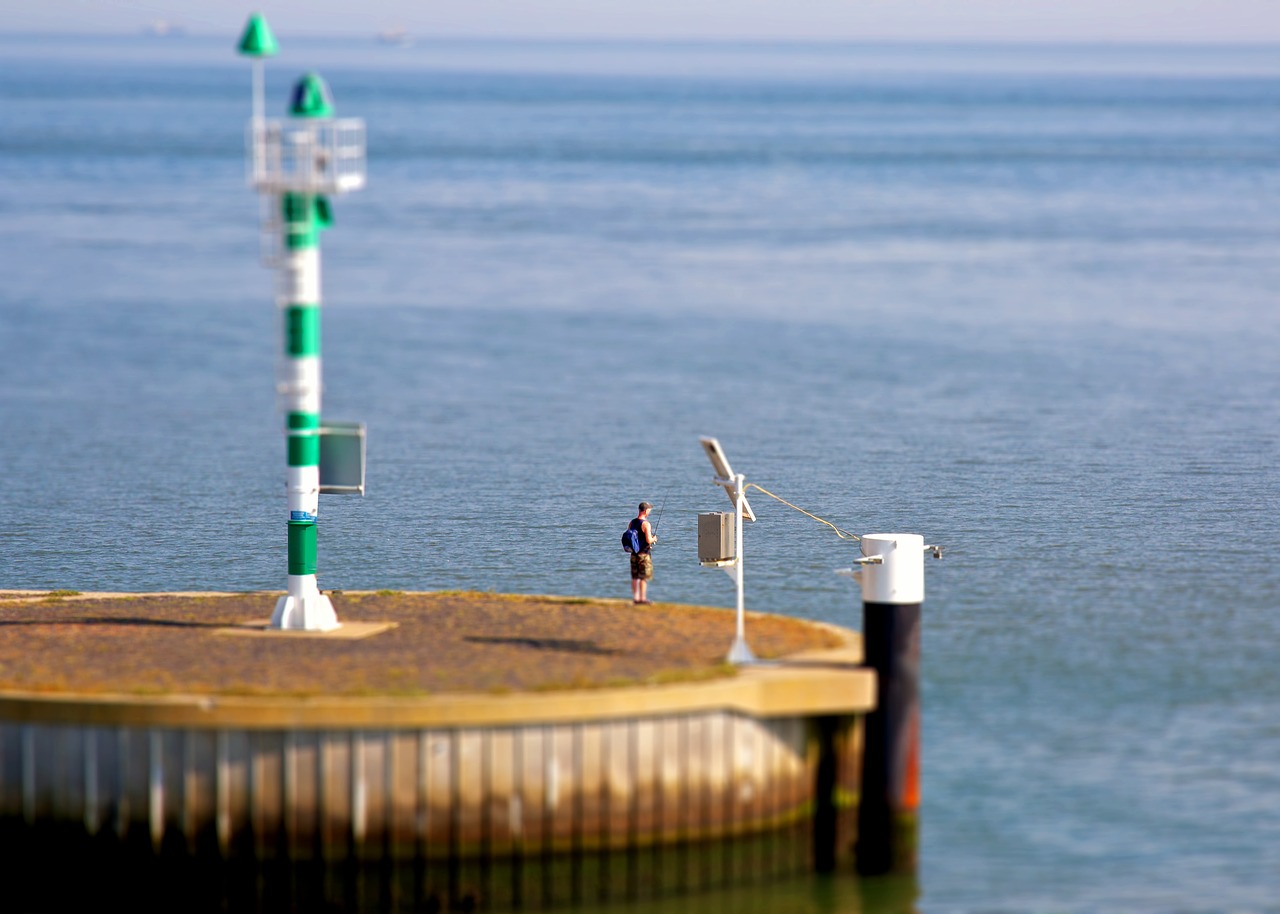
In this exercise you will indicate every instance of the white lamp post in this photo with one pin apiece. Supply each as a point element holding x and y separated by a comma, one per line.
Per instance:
<point>736,485</point>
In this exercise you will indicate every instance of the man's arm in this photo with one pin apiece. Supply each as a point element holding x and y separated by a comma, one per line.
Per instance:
<point>649,536</point>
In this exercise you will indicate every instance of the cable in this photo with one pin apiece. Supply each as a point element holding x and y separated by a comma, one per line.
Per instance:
<point>843,534</point>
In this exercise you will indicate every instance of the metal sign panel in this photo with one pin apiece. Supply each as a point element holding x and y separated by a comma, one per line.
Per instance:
<point>342,458</point>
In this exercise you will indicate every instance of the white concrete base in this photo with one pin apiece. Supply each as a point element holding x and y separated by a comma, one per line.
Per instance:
<point>313,612</point>
<point>739,653</point>
<point>346,631</point>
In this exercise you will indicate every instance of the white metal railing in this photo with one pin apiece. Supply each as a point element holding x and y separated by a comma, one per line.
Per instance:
<point>306,156</point>
<point>322,156</point>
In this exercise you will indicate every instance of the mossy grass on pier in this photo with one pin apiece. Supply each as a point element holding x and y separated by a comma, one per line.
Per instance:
<point>148,644</point>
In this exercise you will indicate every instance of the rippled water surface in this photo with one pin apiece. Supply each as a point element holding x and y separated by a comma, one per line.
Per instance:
<point>1021,302</point>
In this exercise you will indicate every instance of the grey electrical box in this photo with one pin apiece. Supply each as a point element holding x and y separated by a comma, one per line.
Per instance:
<point>342,458</point>
<point>716,539</point>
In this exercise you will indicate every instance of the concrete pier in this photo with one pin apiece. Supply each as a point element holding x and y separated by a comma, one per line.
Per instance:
<point>460,799</point>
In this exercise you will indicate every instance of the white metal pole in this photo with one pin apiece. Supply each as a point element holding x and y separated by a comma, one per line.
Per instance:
<point>304,606</point>
<point>739,653</point>
<point>258,91</point>
<point>738,482</point>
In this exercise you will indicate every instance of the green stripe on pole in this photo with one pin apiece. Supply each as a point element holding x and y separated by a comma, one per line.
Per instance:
<point>304,420</point>
<point>300,230</point>
<point>305,216</point>
<point>304,450</point>
<point>302,547</point>
<point>302,330</point>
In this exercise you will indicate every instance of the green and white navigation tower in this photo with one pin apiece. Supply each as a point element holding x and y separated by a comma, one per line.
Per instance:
<point>295,164</point>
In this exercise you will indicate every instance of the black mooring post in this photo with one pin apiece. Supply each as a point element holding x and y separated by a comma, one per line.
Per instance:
<point>889,801</point>
<point>890,794</point>
<point>824,793</point>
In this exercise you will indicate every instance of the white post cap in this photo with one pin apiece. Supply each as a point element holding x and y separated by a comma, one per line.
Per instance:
<point>898,578</point>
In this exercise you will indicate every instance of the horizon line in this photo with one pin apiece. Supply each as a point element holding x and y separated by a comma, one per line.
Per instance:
<point>372,37</point>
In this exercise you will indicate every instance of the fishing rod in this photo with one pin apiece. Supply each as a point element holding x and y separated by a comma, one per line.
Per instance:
<point>657,520</point>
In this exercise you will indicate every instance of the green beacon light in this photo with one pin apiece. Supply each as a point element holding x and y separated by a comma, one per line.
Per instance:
<point>257,40</point>
<point>257,43</point>
<point>311,97</point>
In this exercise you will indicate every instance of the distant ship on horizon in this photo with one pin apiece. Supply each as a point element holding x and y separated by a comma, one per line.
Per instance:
<point>395,36</point>
<point>164,28</point>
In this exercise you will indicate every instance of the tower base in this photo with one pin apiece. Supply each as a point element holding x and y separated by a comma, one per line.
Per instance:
<point>740,653</point>
<point>312,612</point>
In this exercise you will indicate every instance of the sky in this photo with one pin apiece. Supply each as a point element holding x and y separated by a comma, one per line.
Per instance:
<point>1213,21</point>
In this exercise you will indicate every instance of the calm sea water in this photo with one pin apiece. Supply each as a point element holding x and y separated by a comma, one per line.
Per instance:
<point>1019,300</point>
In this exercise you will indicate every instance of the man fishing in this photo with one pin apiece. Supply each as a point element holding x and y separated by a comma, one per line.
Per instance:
<point>642,558</point>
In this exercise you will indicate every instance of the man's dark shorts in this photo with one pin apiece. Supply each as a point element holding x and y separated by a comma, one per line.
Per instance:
<point>641,566</point>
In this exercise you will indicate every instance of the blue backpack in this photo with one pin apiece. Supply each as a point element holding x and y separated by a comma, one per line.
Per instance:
<point>631,540</point>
